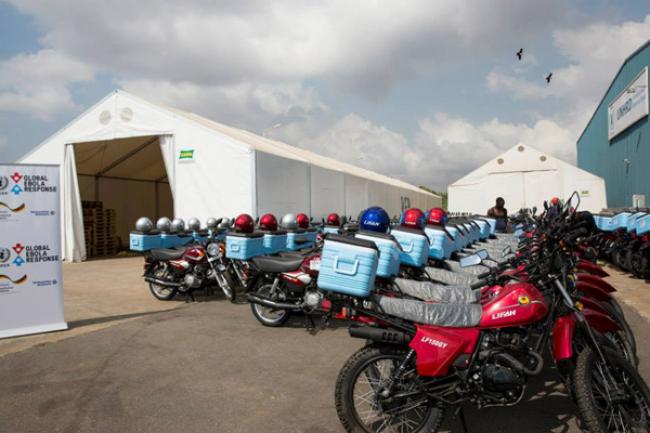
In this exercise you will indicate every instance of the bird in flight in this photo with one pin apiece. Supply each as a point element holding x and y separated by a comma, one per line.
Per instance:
<point>548,78</point>
<point>520,53</point>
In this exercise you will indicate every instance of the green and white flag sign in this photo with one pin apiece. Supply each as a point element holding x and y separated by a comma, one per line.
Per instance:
<point>186,155</point>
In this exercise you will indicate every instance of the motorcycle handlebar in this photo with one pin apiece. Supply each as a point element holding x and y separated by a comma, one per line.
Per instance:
<point>480,283</point>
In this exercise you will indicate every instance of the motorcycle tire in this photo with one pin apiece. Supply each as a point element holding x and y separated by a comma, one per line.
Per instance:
<point>265,315</point>
<point>595,381</point>
<point>629,340</point>
<point>346,383</point>
<point>160,292</point>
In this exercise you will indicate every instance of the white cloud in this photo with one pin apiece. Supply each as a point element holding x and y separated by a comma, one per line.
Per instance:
<point>595,53</point>
<point>37,84</point>
<point>444,149</point>
<point>249,105</point>
<point>364,46</point>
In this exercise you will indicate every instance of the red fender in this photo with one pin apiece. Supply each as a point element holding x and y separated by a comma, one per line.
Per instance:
<point>601,322</point>
<point>564,329</point>
<point>596,281</point>
<point>562,337</point>
<point>592,304</point>
<point>592,291</point>
<point>592,268</point>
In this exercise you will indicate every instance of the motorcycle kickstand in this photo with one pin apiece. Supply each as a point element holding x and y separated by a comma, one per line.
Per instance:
<point>460,413</point>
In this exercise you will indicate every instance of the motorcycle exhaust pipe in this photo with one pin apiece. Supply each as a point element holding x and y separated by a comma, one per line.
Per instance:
<point>162,282</point>
<point>379,335</point>
<point>272,304</point>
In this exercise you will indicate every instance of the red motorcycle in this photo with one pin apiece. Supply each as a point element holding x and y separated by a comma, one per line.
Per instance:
<point>184,270</point>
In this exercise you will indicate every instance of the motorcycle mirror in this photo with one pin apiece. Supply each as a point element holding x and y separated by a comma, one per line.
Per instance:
<point>534,210</point>
<point>471,260</point>
<point>545,205</point>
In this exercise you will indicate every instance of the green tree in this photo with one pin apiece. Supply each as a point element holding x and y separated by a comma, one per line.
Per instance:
<point>441,194</point>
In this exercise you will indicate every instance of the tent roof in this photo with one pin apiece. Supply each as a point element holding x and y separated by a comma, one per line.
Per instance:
<point>254,141</point>
<point>519,158</point>
<point>275,147</point>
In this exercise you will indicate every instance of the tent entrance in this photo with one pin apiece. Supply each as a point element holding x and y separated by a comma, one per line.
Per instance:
<point>120,181</point>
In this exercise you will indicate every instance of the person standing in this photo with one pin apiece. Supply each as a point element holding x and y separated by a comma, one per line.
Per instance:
<point>499,213</point>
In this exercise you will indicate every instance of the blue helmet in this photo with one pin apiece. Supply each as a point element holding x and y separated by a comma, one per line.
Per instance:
<point>374,219</point>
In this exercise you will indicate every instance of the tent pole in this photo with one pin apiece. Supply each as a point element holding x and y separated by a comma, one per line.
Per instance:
<point>157,189</point>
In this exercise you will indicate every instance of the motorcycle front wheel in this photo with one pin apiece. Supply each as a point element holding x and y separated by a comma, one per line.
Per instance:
<point>267,316</point>
<point>610,393</point>
<point>361,405</point>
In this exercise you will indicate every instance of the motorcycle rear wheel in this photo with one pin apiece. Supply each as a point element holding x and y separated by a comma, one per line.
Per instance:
<point>360,381</point>
<point>162,293</point>
<point>611,395</point>
<point>268,316</point>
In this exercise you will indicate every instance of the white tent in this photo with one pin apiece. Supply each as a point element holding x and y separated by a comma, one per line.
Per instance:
<point>525,177</point>
<point>145,159</point>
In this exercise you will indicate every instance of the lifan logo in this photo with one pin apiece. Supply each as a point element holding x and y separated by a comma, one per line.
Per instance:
<point>434,342</point>
<point>504,314</point>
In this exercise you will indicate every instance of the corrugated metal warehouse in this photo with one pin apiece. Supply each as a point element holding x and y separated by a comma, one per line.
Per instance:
<point>616,142</point>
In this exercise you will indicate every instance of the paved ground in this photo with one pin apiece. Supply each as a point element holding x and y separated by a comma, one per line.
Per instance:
<point>97,294</point>
<point>210,367</point>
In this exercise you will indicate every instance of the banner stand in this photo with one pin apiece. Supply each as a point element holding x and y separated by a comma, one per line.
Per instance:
<point>31,286</point>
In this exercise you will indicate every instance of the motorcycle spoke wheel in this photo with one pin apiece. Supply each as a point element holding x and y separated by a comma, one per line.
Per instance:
<point>405,410</point>
<point>269,316</point>
<point>161,293</point>
<point>611,396</point>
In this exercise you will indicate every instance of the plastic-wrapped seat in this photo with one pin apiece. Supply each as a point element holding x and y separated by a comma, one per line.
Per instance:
<point>448,315</point>
<point>472,270</point>
<point>428,291</point>
<point>450,278</point>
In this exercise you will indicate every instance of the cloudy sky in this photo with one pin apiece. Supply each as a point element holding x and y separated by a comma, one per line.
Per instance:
<point>420,90</point>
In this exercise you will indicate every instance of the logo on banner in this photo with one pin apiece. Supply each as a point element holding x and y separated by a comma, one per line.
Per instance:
<point>25,183</point>
<point>4,182</point>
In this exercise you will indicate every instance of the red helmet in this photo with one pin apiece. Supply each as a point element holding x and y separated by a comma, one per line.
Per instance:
<point>244,223</point>
<point>437,217</point>
<point>555,201</point>
<point>333,219</point>
<point>414,218</point>
<point>268,222</point>
<point>302,220</point>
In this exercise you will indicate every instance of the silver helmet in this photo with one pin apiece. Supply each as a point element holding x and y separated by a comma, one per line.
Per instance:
<point>194,224</point>
<point>289,222</point>
<point>225,223</point>
<point>211,223</point>
<point>178,225</point>
<point>144,225</point>
<point>164,224</point>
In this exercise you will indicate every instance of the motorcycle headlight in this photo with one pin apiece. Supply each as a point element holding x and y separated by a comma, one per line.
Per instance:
<point>213,250</point>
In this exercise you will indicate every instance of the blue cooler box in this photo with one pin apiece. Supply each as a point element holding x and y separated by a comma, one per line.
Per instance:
<point>243,246</point>
<point>388,252</point>
<point>602,222</point>
<point>275,242</point>
<point>168,240</point>
<point>485,229</point>
<point>348,265</point>
<point>298,239</point>
<point>631,221</point>
<point>331,229</point>
<point>139,241</point>
<point>415,246</point>
<point>619,221</point>
<point>642,225</point>
<point>441,244</point>
<point>493,225</point>
<point>453,231</point>
<point>311,234</point>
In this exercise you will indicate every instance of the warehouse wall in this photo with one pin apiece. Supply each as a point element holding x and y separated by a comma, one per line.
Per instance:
<point>606,159</point>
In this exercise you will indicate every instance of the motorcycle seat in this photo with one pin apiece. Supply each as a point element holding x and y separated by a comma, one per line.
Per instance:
<point>445,276</point>
<point>277,264</point>
<point>447,315</point>
<point>167,253</point>
<point>428,291</point>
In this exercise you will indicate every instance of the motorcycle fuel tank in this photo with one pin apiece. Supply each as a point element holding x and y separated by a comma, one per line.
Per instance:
<point>517,304</point>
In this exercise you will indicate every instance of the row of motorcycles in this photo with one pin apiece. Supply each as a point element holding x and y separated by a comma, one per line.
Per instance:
<point>623,238</point>
<point>451,312</point>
